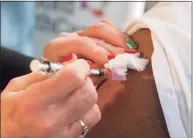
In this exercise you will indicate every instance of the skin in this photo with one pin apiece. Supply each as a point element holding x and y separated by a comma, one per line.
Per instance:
<point>46,106</point>
<point>127,109</point>
<point>86,44</point>
<point>55,120</point>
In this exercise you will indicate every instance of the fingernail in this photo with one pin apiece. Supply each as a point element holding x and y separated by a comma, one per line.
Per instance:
<point>67,58</point>
<point>90,63</point>
<point>110,57</point>
<point>131,44</point>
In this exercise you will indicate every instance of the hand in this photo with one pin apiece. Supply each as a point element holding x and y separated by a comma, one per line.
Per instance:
<point>34,106</point>
<point>86,44</point>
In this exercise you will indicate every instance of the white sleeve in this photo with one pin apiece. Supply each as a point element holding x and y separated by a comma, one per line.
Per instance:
<point>170,26</point>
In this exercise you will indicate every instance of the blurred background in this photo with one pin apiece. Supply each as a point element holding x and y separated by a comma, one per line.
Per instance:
<point>27,26</point>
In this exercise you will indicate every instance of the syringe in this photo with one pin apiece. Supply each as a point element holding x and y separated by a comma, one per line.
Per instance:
<point>50,68</point>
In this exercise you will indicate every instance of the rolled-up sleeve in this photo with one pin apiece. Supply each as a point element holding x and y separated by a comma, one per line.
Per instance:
<point>12,64</point>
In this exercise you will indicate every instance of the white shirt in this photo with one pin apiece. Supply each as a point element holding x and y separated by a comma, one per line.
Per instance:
<point>170,26</point>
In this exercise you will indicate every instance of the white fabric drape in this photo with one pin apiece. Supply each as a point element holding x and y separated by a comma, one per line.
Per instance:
<point>170,26</point>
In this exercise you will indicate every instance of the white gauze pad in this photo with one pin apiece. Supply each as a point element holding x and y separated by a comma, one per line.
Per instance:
<point>124,61</point>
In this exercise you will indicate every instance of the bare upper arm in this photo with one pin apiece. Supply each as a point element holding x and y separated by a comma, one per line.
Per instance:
<point>131,108</point>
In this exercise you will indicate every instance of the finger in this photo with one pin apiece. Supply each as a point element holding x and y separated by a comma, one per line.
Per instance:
<point>105,32</point>
<point>94,65</point>
<point>65,81</point>
<point>25,81</point>
<point>110,23</point>
<point>80,46</point>
<point>80,102</point>
<point>90,119</point>
<point>110,48</point>
<point>68,59</point>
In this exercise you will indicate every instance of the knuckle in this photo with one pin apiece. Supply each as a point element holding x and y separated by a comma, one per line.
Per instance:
<point>84,64</point>
<point>99,26</point>
<point>72,71</point>
<point>34,87</point>
<point>14,81</point>
<point>94,116</point>
<point>92,95</point>
<point>78,77</point>
<point>96,113</point>
<point>84,39</point>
